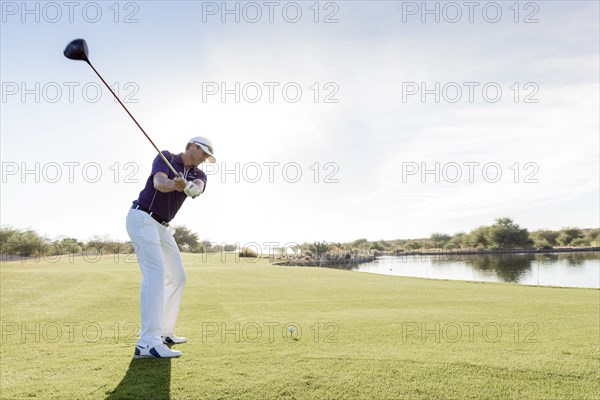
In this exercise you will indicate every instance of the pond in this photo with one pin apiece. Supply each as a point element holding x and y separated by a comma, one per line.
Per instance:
<point>549,269</point>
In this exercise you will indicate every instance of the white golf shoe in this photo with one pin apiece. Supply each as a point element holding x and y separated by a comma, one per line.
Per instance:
<point>159,351</point>
<point>172,339</point>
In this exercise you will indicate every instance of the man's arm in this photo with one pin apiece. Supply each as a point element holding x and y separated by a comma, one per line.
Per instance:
<point>163,184</point>
<point>200,184</point>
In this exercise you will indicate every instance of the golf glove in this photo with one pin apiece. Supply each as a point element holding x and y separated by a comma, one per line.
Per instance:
<point>192,190</point>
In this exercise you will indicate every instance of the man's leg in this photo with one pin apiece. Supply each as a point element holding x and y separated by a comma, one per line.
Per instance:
<point>144,233</point>
<point>174,282</point>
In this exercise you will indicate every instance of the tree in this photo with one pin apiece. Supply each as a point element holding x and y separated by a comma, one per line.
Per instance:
<point>426,244</point>
<point>544,238</point>
<point>25,244</point>
<point>186,240</point>
<point>568,235</point>
<point>439,239</point>
<point>456,241</point>
<point>506,234</point>
<point>102,244</point>
<point>476,238</point>
<point>593,236</point>
<point>412,246</point>
<point>376,246</point>
<point>206,246</point>
<point>6,232</point>
<point>66,246</point>
<point>319,251</point>
<point>319,248</point>
<point>230,247</point>
<point>99,244</point>
<point>360,244</point>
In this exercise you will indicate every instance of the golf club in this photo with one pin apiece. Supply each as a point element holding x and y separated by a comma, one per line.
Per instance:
<point>78,50</point>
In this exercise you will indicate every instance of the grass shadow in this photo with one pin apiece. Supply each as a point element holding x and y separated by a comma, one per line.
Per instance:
<point>145,379</point>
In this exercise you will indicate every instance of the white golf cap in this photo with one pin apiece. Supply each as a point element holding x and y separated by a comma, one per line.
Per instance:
<point>206,145</point>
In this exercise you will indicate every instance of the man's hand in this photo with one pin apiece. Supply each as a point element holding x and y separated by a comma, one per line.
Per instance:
<point>166,185</point>
<point>192,190</point>
<point>180,183</point>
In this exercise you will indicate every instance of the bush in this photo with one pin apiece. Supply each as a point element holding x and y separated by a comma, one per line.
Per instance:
<point>581,242</point>
<point>376,246</point>
<point>542,244</point>
<point>247,252</point>
<point>412,246</point>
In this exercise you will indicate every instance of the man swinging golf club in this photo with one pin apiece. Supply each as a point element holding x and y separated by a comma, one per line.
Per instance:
<point>163,276</point>
<point>172,180</point>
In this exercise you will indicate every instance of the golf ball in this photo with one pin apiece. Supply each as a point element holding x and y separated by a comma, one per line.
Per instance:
<point>291,329</point>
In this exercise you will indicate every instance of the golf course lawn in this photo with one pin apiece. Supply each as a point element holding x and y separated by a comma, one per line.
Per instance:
<point>69,330</point>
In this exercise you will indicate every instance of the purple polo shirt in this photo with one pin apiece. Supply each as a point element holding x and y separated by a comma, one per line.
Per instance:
<point>166,205</point>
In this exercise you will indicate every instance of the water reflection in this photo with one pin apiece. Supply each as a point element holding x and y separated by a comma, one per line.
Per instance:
<point>555,269</point>
<point>507,267</point>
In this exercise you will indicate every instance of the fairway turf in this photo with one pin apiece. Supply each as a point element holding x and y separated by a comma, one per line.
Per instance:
<point>69,330</point>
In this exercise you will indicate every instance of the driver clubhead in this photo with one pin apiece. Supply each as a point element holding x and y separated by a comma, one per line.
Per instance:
<point>77,50</point>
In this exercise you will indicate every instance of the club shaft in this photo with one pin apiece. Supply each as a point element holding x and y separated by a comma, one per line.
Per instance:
<point>134,120</point>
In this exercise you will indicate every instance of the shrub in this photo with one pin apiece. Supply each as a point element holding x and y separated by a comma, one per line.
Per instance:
<point>412,246</point>
<point>581,242</point>
<point>247,252</point>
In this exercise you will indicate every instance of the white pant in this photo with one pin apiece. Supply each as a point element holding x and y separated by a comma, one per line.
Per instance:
<point>163,276</point>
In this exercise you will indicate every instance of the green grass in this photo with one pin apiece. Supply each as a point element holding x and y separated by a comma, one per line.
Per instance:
<point>525,343</point>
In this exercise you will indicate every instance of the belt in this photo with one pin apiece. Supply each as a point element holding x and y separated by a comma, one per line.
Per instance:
<point>151,213</point>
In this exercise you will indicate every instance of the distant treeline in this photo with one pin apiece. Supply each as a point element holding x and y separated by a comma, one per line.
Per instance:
<point>28,243</point>
<point>503,234</point>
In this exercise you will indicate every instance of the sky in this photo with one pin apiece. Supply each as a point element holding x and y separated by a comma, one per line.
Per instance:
<point>331,121</point>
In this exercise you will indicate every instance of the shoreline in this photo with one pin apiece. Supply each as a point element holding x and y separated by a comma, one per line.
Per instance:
<point>461,252</point>
<point>341,263</point>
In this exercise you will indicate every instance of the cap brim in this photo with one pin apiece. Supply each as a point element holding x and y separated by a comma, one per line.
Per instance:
<point>212,158</point>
